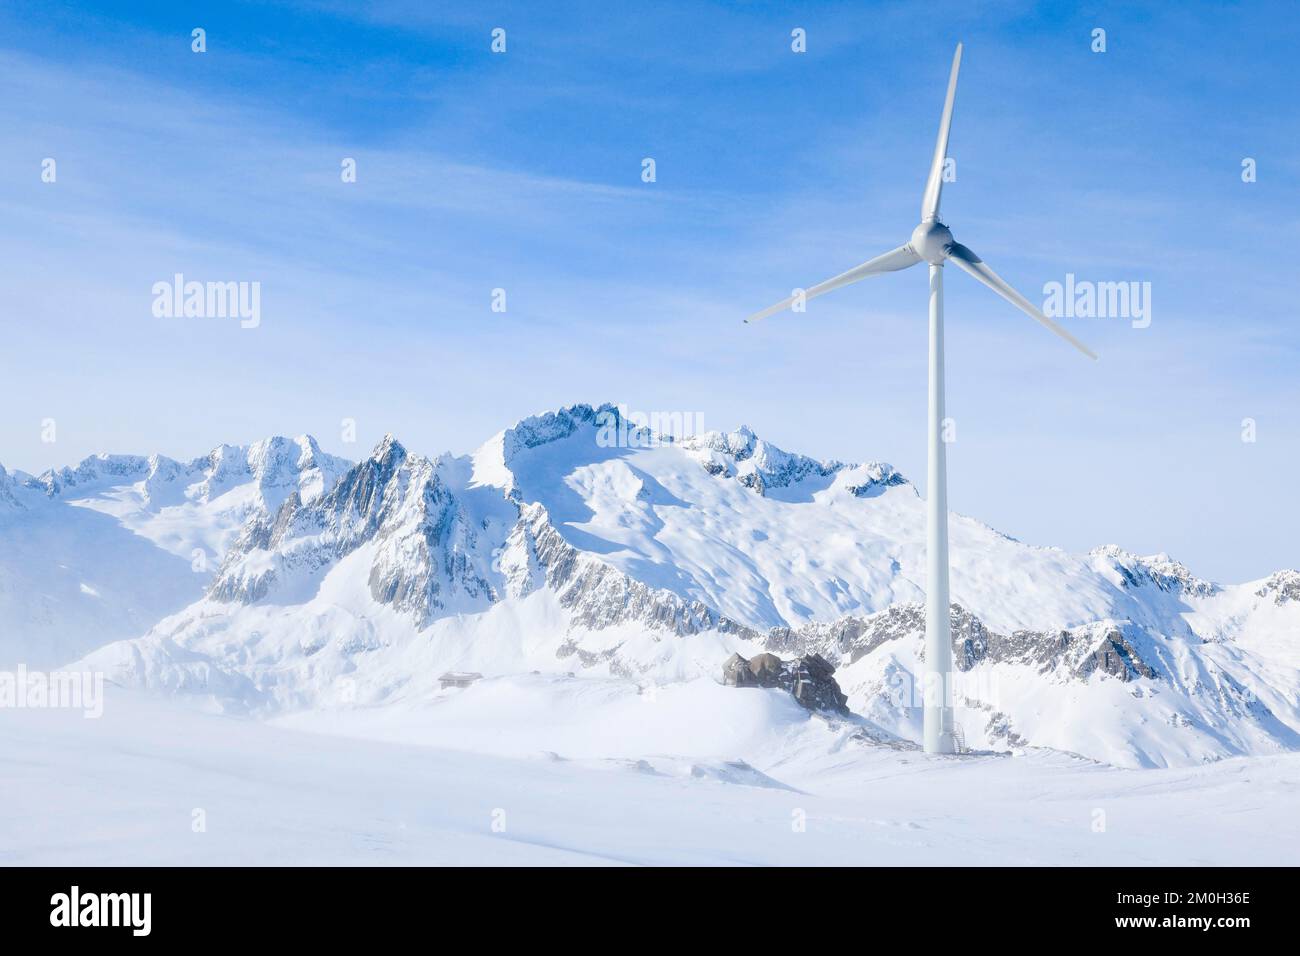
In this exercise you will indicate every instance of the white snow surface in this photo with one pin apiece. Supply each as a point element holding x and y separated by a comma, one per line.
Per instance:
<point>557,771</point>
<point>102,551</point>
<point>336,596</point>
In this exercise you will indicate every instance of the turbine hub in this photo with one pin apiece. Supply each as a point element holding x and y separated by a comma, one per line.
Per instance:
<point>930,240</point>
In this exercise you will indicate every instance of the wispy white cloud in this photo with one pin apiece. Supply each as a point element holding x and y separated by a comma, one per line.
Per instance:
<point>773,172</point>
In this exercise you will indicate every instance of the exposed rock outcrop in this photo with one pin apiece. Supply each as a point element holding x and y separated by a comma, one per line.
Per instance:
<point>427,552</point>
<point>1283,586</point>
<point>1079,652</point>
<point>599,594</point>
<point>1158,570</point>
<point>809,679</point>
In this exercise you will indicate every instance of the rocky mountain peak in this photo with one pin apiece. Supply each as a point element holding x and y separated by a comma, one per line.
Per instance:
<point>426,551</point>
<point>8,491</point>
<point>1158,570</point>
<point>1282,587</point>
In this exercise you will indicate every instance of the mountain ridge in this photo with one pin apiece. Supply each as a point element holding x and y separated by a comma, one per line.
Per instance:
<point>579,537</point>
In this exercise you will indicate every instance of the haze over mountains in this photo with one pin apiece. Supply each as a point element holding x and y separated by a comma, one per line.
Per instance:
<point>275,578</point>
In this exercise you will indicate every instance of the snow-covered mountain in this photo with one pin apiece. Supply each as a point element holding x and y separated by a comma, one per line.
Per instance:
<point>102,551</point>
<point>577,541</point>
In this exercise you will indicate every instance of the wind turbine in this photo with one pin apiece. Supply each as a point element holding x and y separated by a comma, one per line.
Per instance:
<point>933,243</point>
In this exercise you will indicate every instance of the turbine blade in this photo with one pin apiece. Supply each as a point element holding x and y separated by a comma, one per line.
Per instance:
<point>891,261</point>
<point>973,264</point>
<point>934,185</point>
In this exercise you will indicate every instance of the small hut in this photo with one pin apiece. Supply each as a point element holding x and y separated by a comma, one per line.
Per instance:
<point>458,679</point>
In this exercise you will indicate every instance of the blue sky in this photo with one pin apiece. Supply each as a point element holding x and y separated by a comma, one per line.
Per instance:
<point>774,170</point>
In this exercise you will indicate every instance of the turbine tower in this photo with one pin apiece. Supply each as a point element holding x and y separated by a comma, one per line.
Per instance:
<point>932,242</point>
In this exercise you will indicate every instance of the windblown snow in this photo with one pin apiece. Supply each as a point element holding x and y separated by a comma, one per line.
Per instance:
<point>586,567</point>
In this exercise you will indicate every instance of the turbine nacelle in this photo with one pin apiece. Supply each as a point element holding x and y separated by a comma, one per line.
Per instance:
<point>930,240</point>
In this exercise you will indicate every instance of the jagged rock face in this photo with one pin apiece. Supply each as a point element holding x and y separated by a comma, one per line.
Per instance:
<point>1180,686</point>
<point>422,564</point>
<point>613,552</point>
<point>427,546</point>
<point>365,497</point>
<point>808,679</point>
<point>282,466</point>
<point>812,685</point>
<point>92,470</point>
<point>551,426</point>
<point>612,429</point>
<point>1283,586</point>
<point>766,669</point>
<point>1115,657</point>
<point>1159,571</point>
<point>1079,652</point>
<point>855,637</point>
<point>426,550</point>
<point>762,467</point>
<point>598,594</point>
<point>736,672</point>
<point>877,477</point>
<point>755,463</point>
<point>224,466</point>
<point>277,465</point>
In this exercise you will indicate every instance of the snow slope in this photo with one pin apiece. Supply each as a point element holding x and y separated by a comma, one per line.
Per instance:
<point>153,783</point>
<point>102,551</point>
<point>576,541</point>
